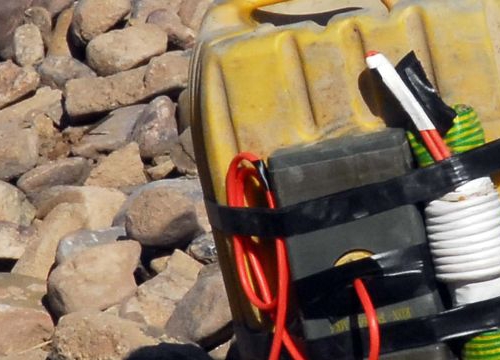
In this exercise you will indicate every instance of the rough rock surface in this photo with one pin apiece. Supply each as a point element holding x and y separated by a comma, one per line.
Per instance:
<point>164,73</point>
<point>206,322</point>
<point>11,16</point>
<point>91,335</point>
<point>42,19</point>
<point>12,243</point>
<point>53,6</point>
<point>70,171</point>
<point>16,82</point>
<point>178,33</point>
<point>120,50</point>
<point>156,129</point>
<point>156,299</point>
<point>14,206</point>
<point>83,239</point>
<point>55,71</point>
<point>95,278</point>
<point>94,17</point>
<point>18,150</point>
<point>203,249</point>
<point>121,169</point>
<point>21,308</point>
<point>28,45</point>
<point>59,45</point>
<point>141,9</point>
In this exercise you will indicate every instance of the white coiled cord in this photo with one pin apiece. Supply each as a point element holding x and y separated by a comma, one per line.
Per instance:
<point>464,237</point>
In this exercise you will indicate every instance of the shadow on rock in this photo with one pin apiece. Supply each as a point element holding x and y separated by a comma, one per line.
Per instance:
<point>169,352</point>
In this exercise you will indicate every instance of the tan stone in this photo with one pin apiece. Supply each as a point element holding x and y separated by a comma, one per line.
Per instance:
<point>42,18</point>
<point>29,49</point>
<point>59,43</point>
<point>14,206</point>
<point>161,171</point>
<point>16,82</point>
<point>96,278</point>
<point>164,73</point>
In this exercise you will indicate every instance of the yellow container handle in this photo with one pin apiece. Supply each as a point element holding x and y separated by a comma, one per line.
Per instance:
<point>245,8</point>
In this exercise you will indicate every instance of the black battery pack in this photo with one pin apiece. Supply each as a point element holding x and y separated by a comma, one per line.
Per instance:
<point>307,172</point>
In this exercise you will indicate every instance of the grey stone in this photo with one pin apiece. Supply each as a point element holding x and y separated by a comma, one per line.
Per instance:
<point>95,17</point>
<point>91,335</point>
<point>156,299</point>
<point>55,71</point>
<point>70,171</point>
<point>42,19</point>
<point>14,206</point>
<point>21,308</point>
<point>11,16</point>
<point>203,249</point>
<point>156,129</point>
<point>164,73</point>
<point>111,134</point>
<point>29,48</point>
<point>80,240</point>
<point>186,141</point>
<point>122,169</point>
<point>183,120</point>
<point>207,322</point>
<point>192,12</point>
<point>183,162</point>
<point>16,82</point>
<point>178,33</point>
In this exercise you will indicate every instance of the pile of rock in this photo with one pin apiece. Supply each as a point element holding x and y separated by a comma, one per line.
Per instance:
<point>105,247</point>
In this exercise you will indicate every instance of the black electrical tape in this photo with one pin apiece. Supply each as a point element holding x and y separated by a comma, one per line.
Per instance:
<point>390,277</point>
<point>419,185</point>
<point>413,75</point>
<point>449,325</point>
<point>261,168</point>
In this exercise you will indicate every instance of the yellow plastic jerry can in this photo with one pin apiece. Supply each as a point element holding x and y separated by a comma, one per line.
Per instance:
<point>268,74</point>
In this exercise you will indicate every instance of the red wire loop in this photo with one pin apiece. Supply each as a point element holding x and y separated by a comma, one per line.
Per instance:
<point>245,249</point>
<point>371,317</point>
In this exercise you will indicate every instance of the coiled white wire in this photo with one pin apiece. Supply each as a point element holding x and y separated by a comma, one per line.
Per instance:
<point>464,238</point>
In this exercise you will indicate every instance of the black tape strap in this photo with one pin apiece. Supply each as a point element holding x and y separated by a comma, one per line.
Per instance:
<point>391,277</point>
<point>417,186</point>
<point>453,324</point>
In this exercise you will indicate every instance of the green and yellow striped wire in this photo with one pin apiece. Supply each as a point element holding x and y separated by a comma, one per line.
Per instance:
<point>483,347</point>
<point>465,134</point>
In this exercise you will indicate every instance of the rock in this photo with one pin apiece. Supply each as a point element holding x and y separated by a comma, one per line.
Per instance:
<point>70,171</point>
<point>124,49</point>
<point>141,9</point>
<point>45,102</point>
<point>183,162</point>
<point>162,217</point>
<point>186,141</point>
<point>156,299</point>
<point>169,351</point>
<point>21,308</point>
<point>156,129</point>
<point>207,322</point>
<point>14,206</point>
<point>36,354</point>
<point>91,335</point>
<point>28,45</point>
<point>163,74</point>
<point>113,132</point>
<point>80,240</point>
<point>96,278</point>
<point>159,264</point>
<point>39,255</point>
<point>12,244</point>
<point>42,19</point>
<point>11,16</point>
<point>95,17</point>
<point>221,351</point>
<point>55,71</point>
<point>16,82</point>
<point>59,45</point>
<point>102,204</point>
<point>53,6</point>
<point>18,150</point>
<point>192,12</point>
<point>161,171</point>
<point>203,249</point>
<point>122,169</point>
<point>178,33</point>
<point>190,188</point>
<point>184,120</point>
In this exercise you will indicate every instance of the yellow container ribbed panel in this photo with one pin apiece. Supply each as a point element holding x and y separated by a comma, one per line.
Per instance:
<point>258,87</point>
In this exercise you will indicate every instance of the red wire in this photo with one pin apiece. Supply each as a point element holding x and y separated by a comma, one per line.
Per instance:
<point>244,248</point>
<point>371,316</point>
